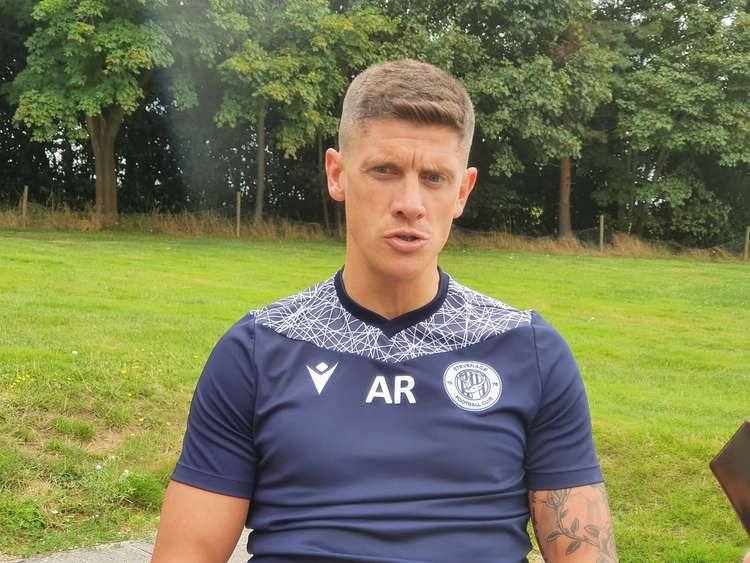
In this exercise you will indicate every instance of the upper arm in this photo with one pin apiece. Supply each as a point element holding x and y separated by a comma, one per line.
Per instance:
<point>218,450</point>
<point>207,501</point>
<point>560,450</point>
<point>573,525</point>
<point>198,526</point>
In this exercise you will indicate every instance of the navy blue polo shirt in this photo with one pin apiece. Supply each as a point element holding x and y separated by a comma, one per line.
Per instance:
<point>408,440</point>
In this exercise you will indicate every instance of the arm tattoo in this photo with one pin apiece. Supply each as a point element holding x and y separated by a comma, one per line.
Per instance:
<point>561,520</point>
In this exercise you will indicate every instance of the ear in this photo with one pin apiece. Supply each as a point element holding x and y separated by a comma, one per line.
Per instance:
<point>334,170</point>
<point>464,189</point>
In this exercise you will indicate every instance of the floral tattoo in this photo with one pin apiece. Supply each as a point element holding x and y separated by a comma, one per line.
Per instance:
<point>570,529</point>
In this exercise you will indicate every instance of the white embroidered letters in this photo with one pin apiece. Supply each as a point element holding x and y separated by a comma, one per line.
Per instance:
<point>402,388</point>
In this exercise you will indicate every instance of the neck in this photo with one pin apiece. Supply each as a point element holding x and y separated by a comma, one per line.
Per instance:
<point>388,296</point>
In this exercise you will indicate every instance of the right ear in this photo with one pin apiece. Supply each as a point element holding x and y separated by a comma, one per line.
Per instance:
<point>334,171</point>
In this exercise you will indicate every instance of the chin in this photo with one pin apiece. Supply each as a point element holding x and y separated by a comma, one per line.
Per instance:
<point>404,268</point>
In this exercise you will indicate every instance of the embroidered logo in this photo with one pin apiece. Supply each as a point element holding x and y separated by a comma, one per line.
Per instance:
<point>321,374</point>
<point>473,386</point>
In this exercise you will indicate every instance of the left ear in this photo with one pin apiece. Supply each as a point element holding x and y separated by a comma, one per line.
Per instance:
<point>464,189</point>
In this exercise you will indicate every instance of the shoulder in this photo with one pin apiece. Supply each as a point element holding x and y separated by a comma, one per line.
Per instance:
<point>239,337</point>
<point>549,344</point>
<point>317,301</point>
<point>230,365</point>
<point>466,304</point>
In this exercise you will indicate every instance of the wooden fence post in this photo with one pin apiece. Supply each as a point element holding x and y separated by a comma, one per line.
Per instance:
<point>24,203</point>
<point>601,233</point>
<point>747,242</point>
<point>237,208</point>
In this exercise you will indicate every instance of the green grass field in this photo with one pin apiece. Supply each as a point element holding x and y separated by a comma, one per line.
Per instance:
<point>103,335</point>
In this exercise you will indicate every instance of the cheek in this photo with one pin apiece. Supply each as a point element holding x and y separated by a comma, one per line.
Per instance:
<point>369,200</point>
<point>366,208</point>
<point>443,208</point>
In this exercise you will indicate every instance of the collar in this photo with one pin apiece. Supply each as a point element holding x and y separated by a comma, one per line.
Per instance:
<point>390,327</point>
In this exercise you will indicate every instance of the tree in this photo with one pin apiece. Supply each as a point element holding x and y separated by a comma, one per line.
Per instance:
<point>683,98</point>
<point>22,162</point>
<point>88,64</point>
<point>539,85</point>
<point>294,65</point>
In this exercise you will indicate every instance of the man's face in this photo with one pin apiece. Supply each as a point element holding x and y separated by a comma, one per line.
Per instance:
<point>403,185</point>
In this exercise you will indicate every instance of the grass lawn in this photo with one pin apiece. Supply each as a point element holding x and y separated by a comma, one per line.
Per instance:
<point>103,335</point>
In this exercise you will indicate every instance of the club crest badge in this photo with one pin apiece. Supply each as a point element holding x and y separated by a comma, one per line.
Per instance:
<point>473,386</point>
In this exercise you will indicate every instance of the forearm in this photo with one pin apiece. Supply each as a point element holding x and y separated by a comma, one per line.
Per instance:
<point>573,525</point>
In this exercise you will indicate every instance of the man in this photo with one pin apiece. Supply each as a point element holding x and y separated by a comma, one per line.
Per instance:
<point>390,414</point>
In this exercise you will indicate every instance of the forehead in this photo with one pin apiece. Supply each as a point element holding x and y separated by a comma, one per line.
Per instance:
<point>399,140</point>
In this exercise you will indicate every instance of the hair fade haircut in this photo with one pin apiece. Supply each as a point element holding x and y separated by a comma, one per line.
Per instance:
<point>409,90</point>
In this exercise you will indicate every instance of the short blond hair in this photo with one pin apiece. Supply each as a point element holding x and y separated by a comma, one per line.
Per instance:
<point>409,90</point>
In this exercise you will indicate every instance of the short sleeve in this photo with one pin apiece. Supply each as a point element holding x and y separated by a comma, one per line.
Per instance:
<point>560,449</point>
<point>218,452</point>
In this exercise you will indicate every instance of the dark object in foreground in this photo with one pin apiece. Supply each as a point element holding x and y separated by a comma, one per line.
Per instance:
<point>732,468</point>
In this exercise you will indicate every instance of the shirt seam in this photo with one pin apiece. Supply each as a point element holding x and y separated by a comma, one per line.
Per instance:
<point>254,367</point>
<point>568,471</point>
<point>538,366</point>
<point>213,475</point>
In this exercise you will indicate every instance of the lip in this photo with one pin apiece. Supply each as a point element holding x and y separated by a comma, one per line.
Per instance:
<point>406,246</point>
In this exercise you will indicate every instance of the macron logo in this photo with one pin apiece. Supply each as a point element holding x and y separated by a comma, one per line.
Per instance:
<point>321,374</point>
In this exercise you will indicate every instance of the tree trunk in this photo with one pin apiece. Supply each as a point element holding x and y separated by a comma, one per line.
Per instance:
<point>260,128</point>
<point>565,229</point>
<point>661,164</point>
<point>103,129</point>
<point>322,181</point>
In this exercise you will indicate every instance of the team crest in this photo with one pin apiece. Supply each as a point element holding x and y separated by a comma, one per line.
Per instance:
<point>473,386</point>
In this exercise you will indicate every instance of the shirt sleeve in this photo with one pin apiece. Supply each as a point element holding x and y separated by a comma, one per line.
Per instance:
<point>218,452</point>
<point>560,449</point>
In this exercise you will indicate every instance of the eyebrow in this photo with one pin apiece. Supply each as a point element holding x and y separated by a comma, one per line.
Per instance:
<point>390,161</point>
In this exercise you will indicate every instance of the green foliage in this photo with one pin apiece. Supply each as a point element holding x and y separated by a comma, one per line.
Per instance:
<point>202,35</point>
<point>693,92</point>
<point>700,218</point>
<point>297,63</point>
<point>544,99</point>
<point>683,95</point>
<point>84,57</point>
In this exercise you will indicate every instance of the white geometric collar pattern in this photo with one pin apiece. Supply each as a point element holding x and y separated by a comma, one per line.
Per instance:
<point>316,315</point>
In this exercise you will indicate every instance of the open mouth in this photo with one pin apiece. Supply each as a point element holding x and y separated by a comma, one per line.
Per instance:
<point>406,242</point>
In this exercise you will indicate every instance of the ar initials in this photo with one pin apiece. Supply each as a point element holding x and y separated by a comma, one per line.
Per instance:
<point>402,385</point>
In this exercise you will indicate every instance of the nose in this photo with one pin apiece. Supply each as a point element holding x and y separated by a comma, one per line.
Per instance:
<point>408,200</point>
